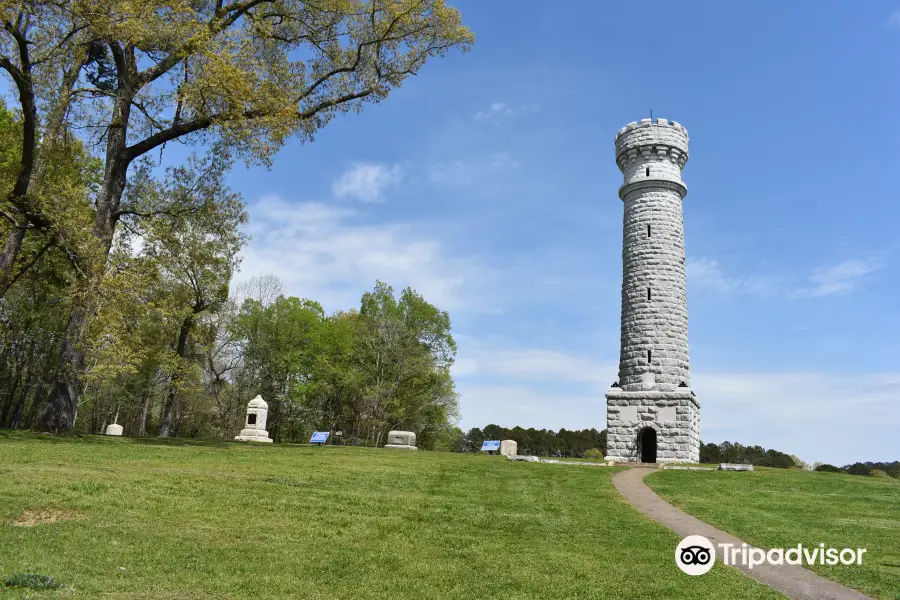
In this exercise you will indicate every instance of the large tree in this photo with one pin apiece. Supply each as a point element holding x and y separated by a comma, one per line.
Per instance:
<point>138,74</point>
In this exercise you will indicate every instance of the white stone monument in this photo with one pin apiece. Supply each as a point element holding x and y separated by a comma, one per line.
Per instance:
<point>651,413</point>
<point>402,440</point>
<point>114,428</point>
<point>255,428</point>
<point>735,467</point>
<point>509,448</point>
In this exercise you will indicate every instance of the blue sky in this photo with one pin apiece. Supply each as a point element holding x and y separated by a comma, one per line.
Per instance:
<point>488,183</point>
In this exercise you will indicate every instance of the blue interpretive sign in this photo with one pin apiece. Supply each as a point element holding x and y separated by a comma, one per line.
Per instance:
<point>490,445</point>
<point>319,437</point>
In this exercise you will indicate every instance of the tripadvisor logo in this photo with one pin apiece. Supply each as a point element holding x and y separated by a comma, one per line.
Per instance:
<point>695,555</point>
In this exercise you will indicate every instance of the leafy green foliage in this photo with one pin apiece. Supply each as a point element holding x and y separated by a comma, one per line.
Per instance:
<point>876,469</point>
<point>594,454</point>
<point>827,469</point>
<point>364,373</point>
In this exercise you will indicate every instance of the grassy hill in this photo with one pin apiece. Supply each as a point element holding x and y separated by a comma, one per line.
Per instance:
<point>180,519</point>
<point>776,508</point>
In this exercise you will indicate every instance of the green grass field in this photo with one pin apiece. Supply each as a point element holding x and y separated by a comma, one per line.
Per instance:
<point>775,508</point>
<point>204,520</point>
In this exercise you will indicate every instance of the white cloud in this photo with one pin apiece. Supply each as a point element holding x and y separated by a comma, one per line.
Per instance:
<point>367,181</point>
<point>500,111</point>
<point>325,253</point>
<point>526,406</point>
<point>894,20</point>
<point>704,273</point>
<point>531,387</point>
<point>817,416</point>
<point>532,364</point>
<point>461,172</point>
<point>840,278</point>
<point>497,110</point>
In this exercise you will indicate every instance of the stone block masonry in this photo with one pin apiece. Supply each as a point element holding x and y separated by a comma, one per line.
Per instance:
<point>652,403</point>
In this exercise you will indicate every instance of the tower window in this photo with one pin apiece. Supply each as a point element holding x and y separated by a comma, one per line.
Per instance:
<point>649,356</point>
<point>648,229</point>
<point>648,293</point>
<point>648,171</point>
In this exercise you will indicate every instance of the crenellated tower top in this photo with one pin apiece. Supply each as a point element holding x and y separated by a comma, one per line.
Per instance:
<point>664,139</point>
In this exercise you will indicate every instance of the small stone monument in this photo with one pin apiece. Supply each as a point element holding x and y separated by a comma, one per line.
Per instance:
<point>114,428</point>
<point>255,429</point>
<point>509,448</point>
<point>402,440</point>
<point>735,467</point>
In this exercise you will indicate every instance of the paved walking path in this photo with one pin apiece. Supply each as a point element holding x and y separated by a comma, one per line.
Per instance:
<point>791,580</point>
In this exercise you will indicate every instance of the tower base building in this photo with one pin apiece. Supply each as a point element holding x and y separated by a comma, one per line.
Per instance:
<point>651,412</point>
<point>652,426</point>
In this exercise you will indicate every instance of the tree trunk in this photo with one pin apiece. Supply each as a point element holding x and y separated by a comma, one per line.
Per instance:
<point>28,418</point>
<point>166,425</point>
<point>17,414</point>
<point>7,380</point>
<point>10,402</point>
<point>18,196</point>
<point>8,258</point>
<point>33,164</point>
<point>60,408</point>
<point>142,426</point>
<point>14,385</point>
<point>176,429</point>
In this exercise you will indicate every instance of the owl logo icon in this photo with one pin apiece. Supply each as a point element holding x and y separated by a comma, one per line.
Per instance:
<point>695,555</point>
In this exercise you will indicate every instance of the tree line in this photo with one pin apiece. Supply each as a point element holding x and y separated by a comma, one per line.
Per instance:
<point>868,469</point>
<point>564,443</point>
<point>728,452</point>
<point>114,271</point>
<point>576,443</point>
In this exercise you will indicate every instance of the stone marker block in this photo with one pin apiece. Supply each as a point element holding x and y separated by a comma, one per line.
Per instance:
<point>735,467</point>
<point>401,440</point>
<point>524,458</point>
<point>255,428</point>
<point>114,429</point>
<point>509,448</point>
<point>687,468</point>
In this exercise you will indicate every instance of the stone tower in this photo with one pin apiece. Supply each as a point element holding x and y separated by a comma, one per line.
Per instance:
<point>652,415</point>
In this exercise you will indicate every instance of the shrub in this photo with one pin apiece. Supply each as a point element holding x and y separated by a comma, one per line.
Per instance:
<point>827,469</point>
<point>593,453</point>
<point>859,469</point>
<point>878,473</point>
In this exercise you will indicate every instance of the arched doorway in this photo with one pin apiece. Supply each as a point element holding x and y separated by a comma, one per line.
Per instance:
<point>647,444</point>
